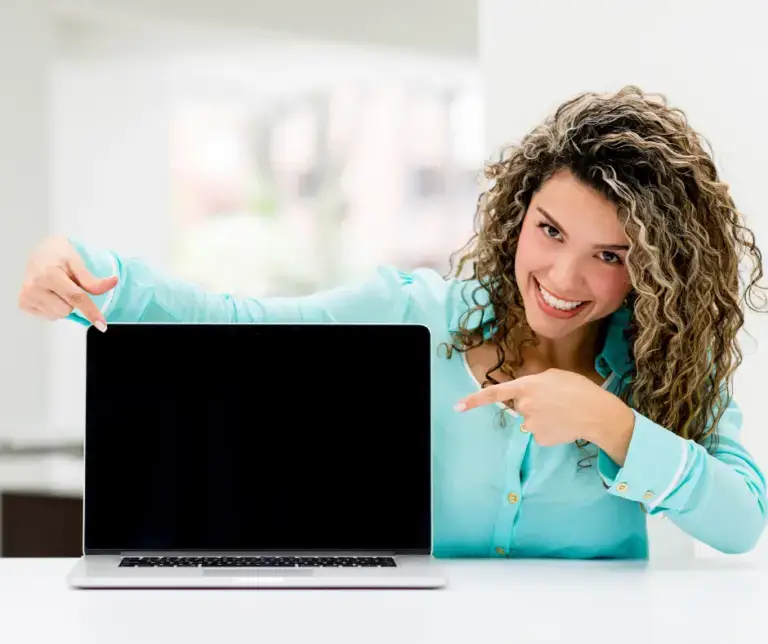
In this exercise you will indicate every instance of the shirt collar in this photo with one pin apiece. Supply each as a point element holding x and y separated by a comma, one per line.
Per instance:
<point>614,357</point>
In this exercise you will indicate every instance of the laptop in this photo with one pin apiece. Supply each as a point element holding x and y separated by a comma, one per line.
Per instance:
<point>258,456</point>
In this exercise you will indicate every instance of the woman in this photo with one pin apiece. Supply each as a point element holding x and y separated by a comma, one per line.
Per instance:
<point>585,365</point>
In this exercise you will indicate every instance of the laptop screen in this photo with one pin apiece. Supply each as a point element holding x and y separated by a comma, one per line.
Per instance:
<point>210,437</point>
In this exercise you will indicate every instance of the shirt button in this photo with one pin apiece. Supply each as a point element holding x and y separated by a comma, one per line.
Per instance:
<point>512,497</point>
<point>622,487</point>
<point>648,495</point>
<point>500,551</point>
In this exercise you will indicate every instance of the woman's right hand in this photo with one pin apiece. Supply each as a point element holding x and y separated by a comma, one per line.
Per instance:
<point>57,281</point>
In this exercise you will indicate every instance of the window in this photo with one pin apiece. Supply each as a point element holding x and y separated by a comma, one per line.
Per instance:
<point>288,191</point>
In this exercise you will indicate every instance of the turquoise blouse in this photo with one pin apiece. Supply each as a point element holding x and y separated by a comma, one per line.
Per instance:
<point>496,492</point>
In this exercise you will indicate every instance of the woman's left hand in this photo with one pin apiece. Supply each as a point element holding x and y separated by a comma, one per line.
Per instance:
<point>560,406</point>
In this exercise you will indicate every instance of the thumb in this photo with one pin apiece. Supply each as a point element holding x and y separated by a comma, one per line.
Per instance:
<point>101,285</point>
<point>87,281</point>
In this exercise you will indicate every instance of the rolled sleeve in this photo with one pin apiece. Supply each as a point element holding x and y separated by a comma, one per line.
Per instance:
<point>655,464</point>
<point>100,263</point>
<point>718,497</point>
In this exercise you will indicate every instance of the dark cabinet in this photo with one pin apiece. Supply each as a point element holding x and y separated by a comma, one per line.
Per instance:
<point>40,525</point>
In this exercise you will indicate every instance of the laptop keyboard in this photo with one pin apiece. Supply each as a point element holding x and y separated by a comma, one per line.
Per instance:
<point>257,562</point>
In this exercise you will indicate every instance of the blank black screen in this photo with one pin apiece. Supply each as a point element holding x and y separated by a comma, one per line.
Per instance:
<point>258,437</point>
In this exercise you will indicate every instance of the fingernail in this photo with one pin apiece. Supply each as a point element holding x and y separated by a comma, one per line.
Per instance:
<point>100,326</point>
<point>461,406</point>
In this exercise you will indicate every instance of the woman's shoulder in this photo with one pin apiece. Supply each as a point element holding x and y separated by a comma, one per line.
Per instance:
<point>435,298</point>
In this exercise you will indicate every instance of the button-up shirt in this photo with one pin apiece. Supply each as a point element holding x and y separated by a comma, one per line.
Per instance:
<point>496,492</point>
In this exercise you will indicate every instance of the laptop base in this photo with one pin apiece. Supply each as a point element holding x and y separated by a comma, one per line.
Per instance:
<point>105,571</point>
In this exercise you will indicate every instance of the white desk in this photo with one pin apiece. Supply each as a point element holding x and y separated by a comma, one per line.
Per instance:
<point>713,599</point>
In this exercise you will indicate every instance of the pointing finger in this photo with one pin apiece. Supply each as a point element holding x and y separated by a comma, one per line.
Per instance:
<point>495,393</point>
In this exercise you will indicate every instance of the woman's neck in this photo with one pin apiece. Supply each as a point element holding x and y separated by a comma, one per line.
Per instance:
<point>574,352</point>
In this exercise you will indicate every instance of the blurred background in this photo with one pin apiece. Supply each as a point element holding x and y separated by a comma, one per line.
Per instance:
<point>260,148</point>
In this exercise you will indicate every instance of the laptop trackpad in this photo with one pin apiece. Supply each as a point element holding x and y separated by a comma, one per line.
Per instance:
<point>253,572</point>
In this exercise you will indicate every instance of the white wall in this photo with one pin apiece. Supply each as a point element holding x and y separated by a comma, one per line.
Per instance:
<point>25,44</point>
<point>110,189</point>
<point>703,55</point>
<point>441,27</point>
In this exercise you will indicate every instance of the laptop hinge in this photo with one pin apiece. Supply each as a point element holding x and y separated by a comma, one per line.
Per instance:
<point>256,553</point>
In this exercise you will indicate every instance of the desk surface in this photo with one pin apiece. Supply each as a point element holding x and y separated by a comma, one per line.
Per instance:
<point>713,599</point>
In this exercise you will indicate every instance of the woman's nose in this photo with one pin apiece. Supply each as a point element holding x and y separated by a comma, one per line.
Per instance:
<point>565,278</point>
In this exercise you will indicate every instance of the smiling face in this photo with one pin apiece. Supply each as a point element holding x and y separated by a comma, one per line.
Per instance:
<point>573,245</point>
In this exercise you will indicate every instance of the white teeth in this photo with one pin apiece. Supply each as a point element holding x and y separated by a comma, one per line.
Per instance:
<point>556,302</point>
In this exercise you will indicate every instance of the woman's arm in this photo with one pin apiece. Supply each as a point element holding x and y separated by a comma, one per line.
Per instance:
<point>719,498</point>
<point>143,294</point>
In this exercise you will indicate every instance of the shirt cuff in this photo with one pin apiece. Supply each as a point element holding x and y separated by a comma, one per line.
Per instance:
<point>99,264</point>
<point>654,466</point>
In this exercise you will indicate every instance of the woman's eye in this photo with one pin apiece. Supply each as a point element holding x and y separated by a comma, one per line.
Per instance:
<point>611,258</point>
<point>547,228</point>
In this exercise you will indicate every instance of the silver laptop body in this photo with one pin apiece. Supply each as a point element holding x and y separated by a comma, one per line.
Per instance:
<point>256,456</point>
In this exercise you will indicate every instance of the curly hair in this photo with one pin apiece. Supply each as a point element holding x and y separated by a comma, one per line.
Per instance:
<point>686,238</point>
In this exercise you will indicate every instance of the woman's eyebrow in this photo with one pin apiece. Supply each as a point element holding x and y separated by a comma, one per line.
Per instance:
<point>553,221</point>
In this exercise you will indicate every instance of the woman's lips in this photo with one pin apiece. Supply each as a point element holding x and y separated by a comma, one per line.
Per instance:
<point>551,310</point>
